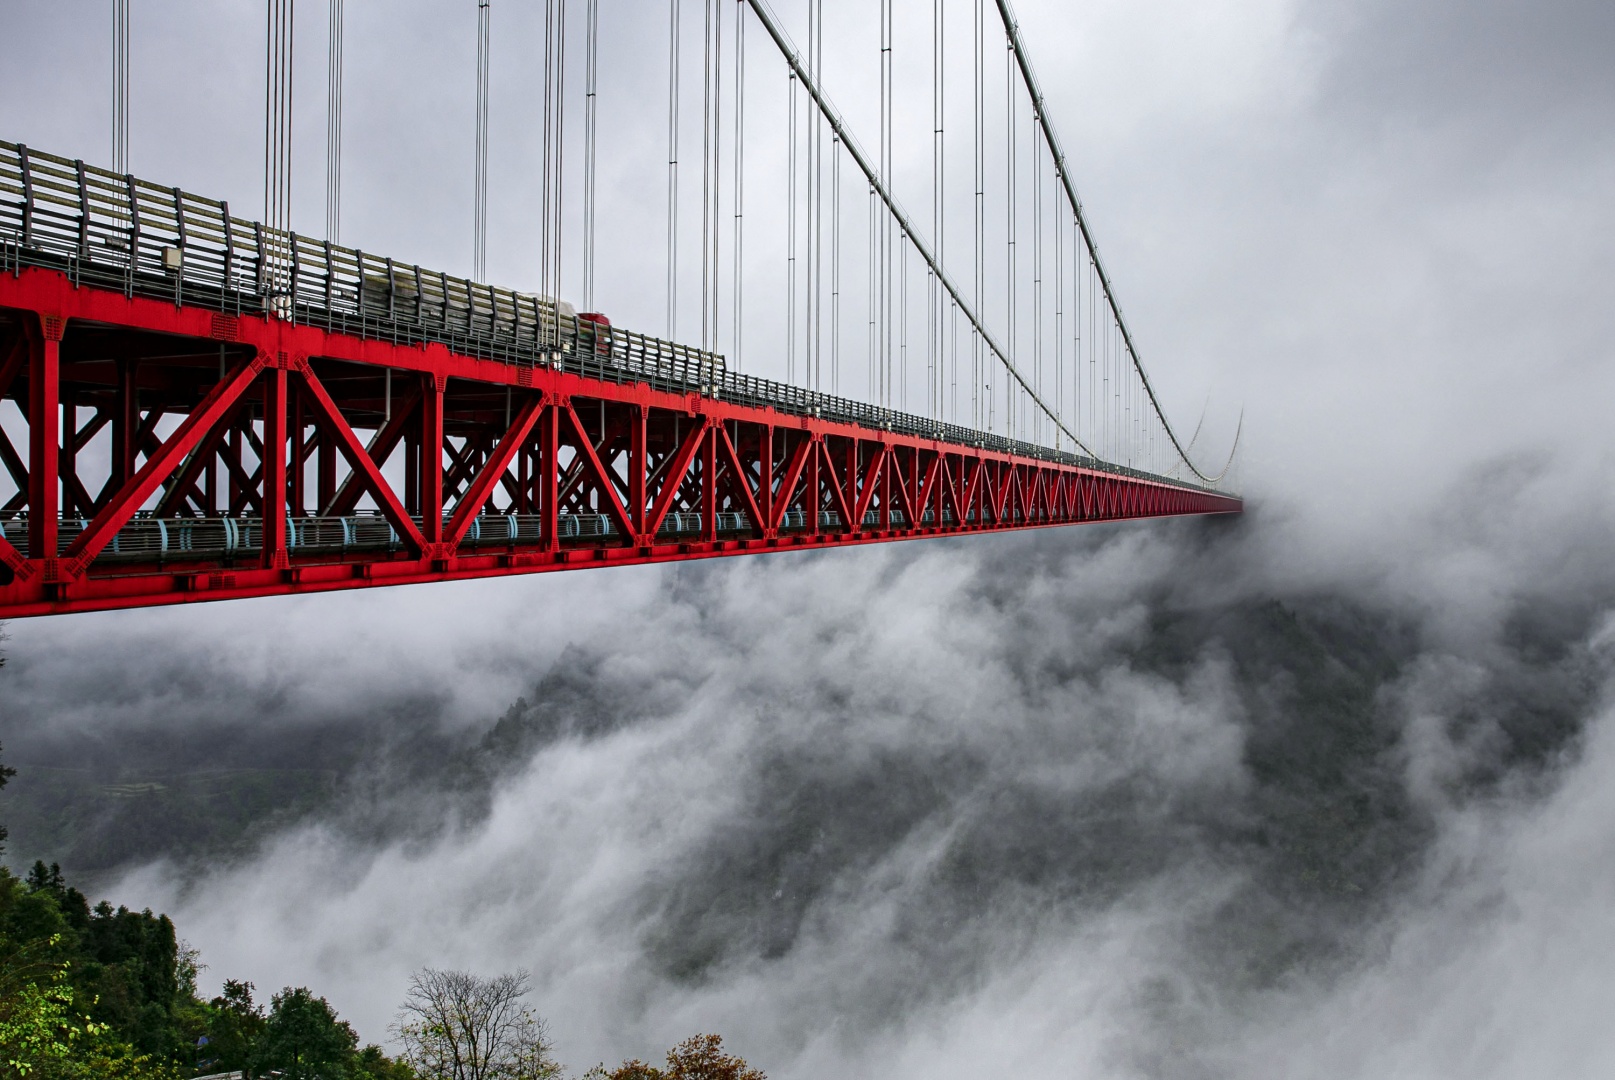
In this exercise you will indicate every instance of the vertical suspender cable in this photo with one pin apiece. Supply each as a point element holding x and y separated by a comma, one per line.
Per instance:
<point>899,218</point>
<point>873,307</point>
<point>1037,281</point>
<point>715,67</point>
<point>709,327</point>
<point>547,152</point>
<point>560,149</point>
<point>333,126</point>
<point>120,86</point>
<point>835,265</point>
<point>933,326</point>
<point>672,166</point>
<point>590,125</point>
<point>554,129</point>
<point>810,207</point>
<point>816,209</point>
<point>902,321</point>
<point>979,106</point>
<point>277,135</point>
<point>740,174</point>
<point>888,234</point>
<point>549,173</point>
<point>1059,322</point>
<point>1011,335</point>
<point>1077,397</point>
<point>790,231</point>
<point>1147,390</point>
<point>554,156</point>
<point>479,244</point>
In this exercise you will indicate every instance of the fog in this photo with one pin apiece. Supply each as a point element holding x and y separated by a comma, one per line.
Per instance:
<point>1324,791</point>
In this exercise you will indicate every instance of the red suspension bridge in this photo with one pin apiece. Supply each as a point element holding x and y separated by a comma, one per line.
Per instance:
<point>195,406</point>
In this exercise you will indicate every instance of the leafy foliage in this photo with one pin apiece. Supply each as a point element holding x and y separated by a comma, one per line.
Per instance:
<point>101,993</point>
<point>700,1057</point>
<point>303,1039</point>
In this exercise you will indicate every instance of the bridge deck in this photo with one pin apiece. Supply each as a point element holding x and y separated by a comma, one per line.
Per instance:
<point>216,411</point>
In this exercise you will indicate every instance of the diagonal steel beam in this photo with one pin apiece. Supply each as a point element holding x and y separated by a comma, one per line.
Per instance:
<point>789,479</point>
<point>150,476</point>
<point>379,449</point>
<point>674,479</point>
<point>843,506</point>
<point>754,514</point>
<point>866,490</point>
<point>13,462</point>
<point>605,483</point>
<point>359,459</point>
<point>492,470</point>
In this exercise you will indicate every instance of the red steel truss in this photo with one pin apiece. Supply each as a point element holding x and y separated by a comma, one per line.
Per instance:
<point>175,453</point>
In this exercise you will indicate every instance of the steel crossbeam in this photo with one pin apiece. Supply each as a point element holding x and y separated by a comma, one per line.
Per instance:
<point>173,456</point>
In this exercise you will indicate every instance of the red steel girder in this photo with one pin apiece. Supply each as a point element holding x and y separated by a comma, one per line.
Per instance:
<point>164,428</point>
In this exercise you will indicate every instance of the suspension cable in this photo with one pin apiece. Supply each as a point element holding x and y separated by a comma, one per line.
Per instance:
<point>590,126</point>
<point>1040,110</point>
<point>813,356</point>
<point>979,137</point>
<point>835,265</point>
<point>554,154</point>
<point>886,170</point>
<point>120,86</point>
<point>672,167</point>
<point>278,130</point>
<point>740,175</point>
<point>790,230</point>
<point>1011,188</point>
<point>709,267</point>
<point>1059,320</point>
<point>479,247</point>
<point>333,125</point>
<point>900,217</point>
<point>933,321</point>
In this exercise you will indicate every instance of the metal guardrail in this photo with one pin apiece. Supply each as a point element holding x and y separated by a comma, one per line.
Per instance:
<point>125,233</point>
<point>147,538</point>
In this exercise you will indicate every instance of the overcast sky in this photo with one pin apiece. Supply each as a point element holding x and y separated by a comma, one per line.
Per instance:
<point>1384,230</point>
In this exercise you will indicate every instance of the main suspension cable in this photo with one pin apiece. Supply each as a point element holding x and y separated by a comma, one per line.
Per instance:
<point>1040,110</point>
<point>899,217</point>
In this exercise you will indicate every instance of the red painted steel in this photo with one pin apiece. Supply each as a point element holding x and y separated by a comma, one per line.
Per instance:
<point>199,417</point>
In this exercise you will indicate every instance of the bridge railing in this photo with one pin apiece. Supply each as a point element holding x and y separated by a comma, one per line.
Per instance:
<point>150,538</point>
<point>125,233</point>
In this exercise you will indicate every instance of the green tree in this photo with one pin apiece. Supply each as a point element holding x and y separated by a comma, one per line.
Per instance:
<point>233,1024</point>
<point>45,1032</point>
<point>303,1040</point>
<point>371,1064</point>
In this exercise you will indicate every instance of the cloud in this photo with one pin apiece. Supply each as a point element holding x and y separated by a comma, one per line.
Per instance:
<point>1315,793</point>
